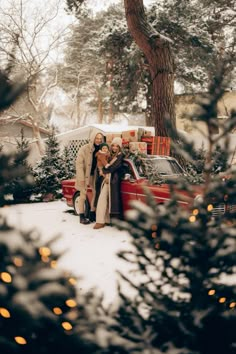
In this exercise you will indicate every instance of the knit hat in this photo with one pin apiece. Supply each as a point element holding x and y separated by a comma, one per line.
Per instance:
<point>103,144</point>
<point>117,141</point>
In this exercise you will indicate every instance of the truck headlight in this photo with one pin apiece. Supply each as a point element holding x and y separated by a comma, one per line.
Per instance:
<point>198,200</point>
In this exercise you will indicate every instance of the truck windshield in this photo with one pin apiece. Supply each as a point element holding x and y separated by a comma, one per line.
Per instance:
<point>163,167</point>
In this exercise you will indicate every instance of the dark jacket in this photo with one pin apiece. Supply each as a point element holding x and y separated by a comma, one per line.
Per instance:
<point>115,204</point>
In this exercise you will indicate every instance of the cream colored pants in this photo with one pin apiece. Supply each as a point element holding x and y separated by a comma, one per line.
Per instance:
<point>82,196</point>
<point>102,213</point>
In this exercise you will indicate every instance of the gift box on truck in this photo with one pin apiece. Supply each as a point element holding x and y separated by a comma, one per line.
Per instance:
<point>157,145</point>
<point>140,146</point>
<point>130,135</point>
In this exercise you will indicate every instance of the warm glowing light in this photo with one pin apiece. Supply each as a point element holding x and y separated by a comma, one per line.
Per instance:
<point>210,207</point>
<point>211,292</point>
<point>192,218</point>
<point>4,312</point>
<point>222,300</point>
<point>18,261</point>
<point>44,251</point>
<point>232,305</point>
<point>72,281</point>
<point>6,277</point>
<point>67,326</point>
<point>45,259</point>
<point>53,264</point>
<point>20,340</point>
<point>57,310</point>
<point>195,212</point>
<point>71,303</point>
<point>154,227</point>
<point>154,234</point>
<point>157,245</point>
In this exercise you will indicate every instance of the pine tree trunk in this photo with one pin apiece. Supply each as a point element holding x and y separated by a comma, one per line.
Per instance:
<point>157,50</point>
<point>100,109</point>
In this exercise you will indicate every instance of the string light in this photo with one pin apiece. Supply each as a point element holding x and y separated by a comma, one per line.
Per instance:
<point>211,292</point>
<point>222,299</point>
<point>195,212</point>
<point>20,340</point>
<point>154,234</point>
<point>72,281</point>
<point>57,310</point>
<point>192,218</point>
<point>6,277</point>
<point>154,227</point>
<point>53,264</point>
<point>4,312</point>
<point>18,261</point>
<point>44,251</point>
<point>210,207</point>
<point>71,303</point>
<point>67,326</point>
<point>45,259</point>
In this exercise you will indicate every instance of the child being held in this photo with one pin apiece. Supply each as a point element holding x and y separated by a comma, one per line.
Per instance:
<point>102,156</point>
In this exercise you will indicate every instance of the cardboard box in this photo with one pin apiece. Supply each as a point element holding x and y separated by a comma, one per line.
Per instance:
<point>125,143</point>
<point>140,133</point>
<point>111,136</point>
<point>138,146</point>
<point>130,135</point>
<point>147,133</point>
<point>157,145</point>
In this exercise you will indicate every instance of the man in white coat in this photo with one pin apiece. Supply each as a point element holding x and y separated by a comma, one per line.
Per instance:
<point>85,174</point>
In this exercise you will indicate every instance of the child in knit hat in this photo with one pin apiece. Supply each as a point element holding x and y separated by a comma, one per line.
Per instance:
<point>102,156</point>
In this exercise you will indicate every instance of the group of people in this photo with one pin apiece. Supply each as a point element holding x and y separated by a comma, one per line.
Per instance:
<point>99,166</point>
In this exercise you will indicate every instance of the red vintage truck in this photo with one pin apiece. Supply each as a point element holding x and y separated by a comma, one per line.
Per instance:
<point>134,175</point>
<point>135,178</point>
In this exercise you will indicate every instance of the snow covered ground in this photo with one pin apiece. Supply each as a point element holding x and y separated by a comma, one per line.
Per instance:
<point>90,254</point>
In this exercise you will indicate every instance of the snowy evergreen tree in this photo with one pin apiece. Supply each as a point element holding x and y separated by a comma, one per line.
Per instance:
<point>220,161</point>
<point>18,187</point>
<point>202,32</point>
<point>68,163</point>
<point>41,311</point>
<point>197,33</point>
<point>49,171</point>
<point>12,169</point>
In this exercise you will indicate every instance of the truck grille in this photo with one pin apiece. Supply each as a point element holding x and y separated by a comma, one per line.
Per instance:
<point>222,208</point>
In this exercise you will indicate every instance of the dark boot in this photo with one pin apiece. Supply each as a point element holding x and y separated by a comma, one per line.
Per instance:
<point>92,216</point>
<point>84,220</point>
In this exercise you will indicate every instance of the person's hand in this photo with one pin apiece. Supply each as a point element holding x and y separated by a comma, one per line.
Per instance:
<point>107,165</point>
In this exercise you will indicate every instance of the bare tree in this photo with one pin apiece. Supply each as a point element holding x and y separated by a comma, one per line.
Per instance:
<point>29,39</point>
